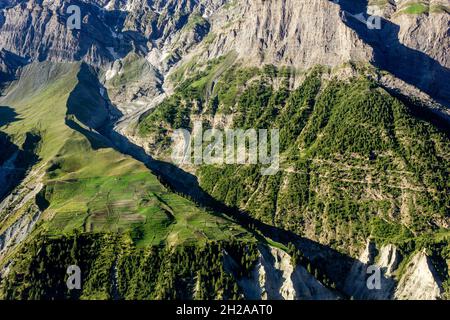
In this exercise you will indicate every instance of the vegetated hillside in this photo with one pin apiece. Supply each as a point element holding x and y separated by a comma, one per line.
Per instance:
<point>356,162</point>
<point>78,184</point>
<point>113,268</point>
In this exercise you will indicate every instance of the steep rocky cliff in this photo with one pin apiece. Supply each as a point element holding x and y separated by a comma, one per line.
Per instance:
<point>287,32</point>
<point>275,277</point>
<point>418,279</point>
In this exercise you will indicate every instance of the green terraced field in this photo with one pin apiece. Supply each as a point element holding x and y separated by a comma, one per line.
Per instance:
<point>89,186</point>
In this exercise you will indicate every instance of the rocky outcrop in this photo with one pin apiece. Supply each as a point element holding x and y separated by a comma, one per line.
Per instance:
<point>389,259</point>
<point>419,281</point>
<point>17,232</point>
<point>428,33</point>
<point>411,41</point>
<point>426,30</point>
<point>38,30</point>
<point>356,282</point>
<point>21,200</point>
<point>274,277</point>
<point>412,47</point>
<point>132,84</point>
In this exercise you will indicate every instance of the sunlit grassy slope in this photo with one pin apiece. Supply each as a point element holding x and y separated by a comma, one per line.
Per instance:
<point>89,186</point>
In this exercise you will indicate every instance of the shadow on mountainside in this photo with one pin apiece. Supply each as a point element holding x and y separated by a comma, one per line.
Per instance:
<point>100,29</point>
<point>337,266</point>
<point>88,108</point>
<point>412,66</point>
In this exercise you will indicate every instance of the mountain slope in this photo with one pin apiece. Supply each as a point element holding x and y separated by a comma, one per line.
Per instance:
<point>364,141</point>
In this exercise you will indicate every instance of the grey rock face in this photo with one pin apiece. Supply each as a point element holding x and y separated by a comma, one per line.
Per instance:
<point>412,47</point>
<point>38,29</point>
<point>419,281</point>
<point>299,33</point>
<point>356,282</point>
<point>274,277</point>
